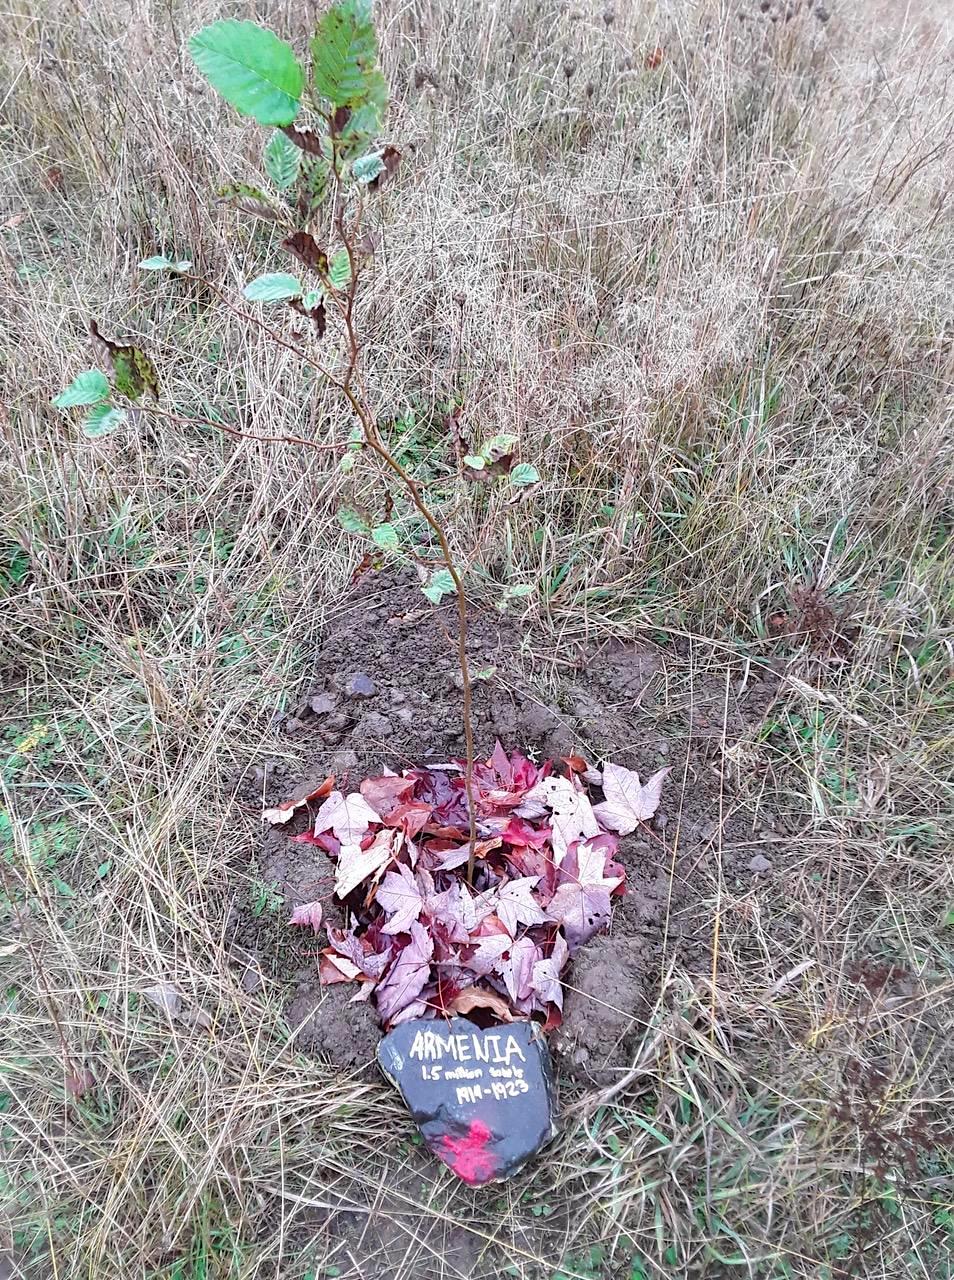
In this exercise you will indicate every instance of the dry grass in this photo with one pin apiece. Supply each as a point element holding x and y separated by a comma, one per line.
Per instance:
<point>714,300</point>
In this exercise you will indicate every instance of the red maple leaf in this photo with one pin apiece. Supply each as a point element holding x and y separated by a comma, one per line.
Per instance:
<point>387,793</point>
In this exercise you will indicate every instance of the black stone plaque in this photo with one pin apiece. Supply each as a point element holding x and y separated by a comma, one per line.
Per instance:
<point>483,1097</point>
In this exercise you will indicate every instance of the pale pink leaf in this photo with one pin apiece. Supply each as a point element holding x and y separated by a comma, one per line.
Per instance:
<point>582,905</point>
<point>515,904</point>
<point>474,909</point>
<point>591,864</point>
<point>417,1009</point>
<point>582,910</point>
<point>279,814</point>
<point>400,899</point>
<point>356,864</point>
<point>347,816</point>
<point>489,950</point>
<point>546,974</point>
<point>309,913</point>
<point>573,816</point>
<point>546,983</point>
<point>409,974</point>
<point>516,967</point>
<point>449,909</point>
<point>453,858</point>
<point>371,963</point>
<point>628,801</point>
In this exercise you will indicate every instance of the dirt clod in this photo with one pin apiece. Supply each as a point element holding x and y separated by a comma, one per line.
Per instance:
<point>604,1007</point>
<point>361,686</point>
<point>325,1022</point>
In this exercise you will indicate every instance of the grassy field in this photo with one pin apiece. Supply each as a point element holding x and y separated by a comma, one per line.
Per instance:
<point>698,257</point>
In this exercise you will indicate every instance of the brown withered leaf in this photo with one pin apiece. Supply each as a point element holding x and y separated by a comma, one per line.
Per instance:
<point>333,968</point>
<point>340,118</point>
<point>306,139</point>
<point>391,159</point>
<point>307,250</point>
<point>501,466</point>
<point>524,493</point>
<point>498,455</point>
<point>370,562</point>
<point>472,998</point>
<point>317,314</point>
<point>575,764</point>
<point>453,425</point>
<point>249,200</point>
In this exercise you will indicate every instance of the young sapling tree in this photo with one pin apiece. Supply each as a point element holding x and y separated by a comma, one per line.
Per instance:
<point>324,164</point>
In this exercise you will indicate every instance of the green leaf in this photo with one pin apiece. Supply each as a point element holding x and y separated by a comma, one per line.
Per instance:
<point>282,160</point>
<point>344,52</point>
<point>133,372</point>
<point>439,585</point>
<point>315,172</point>
<point>102,419</point>
<point>366,168</point>
<point>251,68</point>
<point>523,473</point>
<point>498,446</point>
<point>475,461</point>
<point>386,537</point>
<point>366,120</point>
<point>159,263</point>
<point>86,388</point>
<point>351,522</point>
<point>509,594</point>
<point>339,272</point>
<point>274,286</point>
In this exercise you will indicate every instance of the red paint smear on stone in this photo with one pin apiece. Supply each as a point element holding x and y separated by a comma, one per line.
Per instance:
<point>468,1156</point>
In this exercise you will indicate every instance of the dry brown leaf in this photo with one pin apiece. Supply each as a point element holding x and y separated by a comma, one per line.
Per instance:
<point>472,998</point>
<point>282,812</point>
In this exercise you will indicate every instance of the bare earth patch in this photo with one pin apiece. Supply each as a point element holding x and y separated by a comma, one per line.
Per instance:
<point>384,693</point>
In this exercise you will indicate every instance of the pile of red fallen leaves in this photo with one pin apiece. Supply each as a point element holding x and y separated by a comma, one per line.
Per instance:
<point>424,943</point>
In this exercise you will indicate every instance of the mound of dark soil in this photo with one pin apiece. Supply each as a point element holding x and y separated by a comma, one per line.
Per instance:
<point>386,693</point>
